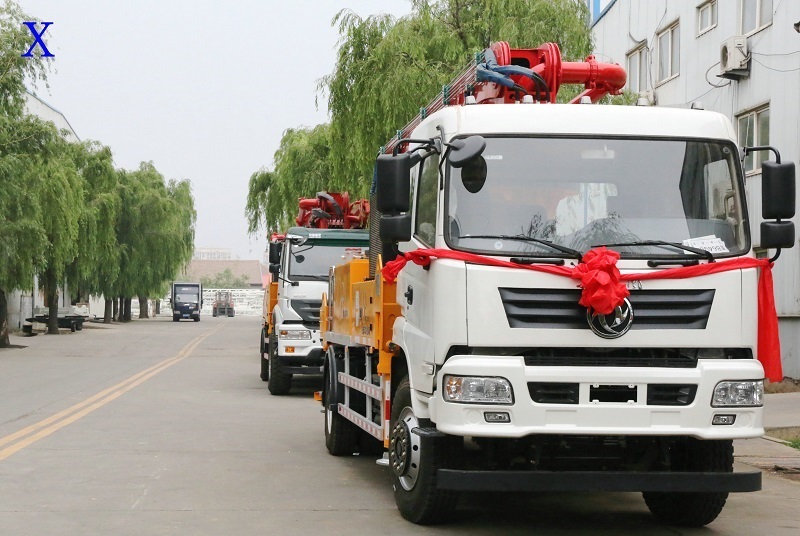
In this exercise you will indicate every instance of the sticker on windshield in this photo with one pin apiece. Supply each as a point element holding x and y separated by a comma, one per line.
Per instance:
<point>708,243</point>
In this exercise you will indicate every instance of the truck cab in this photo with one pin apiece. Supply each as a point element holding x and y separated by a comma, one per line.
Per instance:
<point>186,300</point>
<point>299,264</point>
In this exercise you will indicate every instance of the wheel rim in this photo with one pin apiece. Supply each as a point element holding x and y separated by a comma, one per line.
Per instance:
<point>404,449</point>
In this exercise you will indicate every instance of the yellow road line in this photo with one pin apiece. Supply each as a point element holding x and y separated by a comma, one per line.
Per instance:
<point>63,418</point>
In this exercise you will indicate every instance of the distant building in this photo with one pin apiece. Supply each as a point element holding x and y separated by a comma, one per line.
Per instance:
<point>213,254</point>
<point>738,58</point>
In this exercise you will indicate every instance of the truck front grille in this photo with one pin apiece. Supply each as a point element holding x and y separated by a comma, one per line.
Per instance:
<point>652,309</point>
<point>308,310</point>
<point>613,357</point>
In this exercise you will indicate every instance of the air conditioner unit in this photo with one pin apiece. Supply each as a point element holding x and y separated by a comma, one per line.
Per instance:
<point>733,58</point>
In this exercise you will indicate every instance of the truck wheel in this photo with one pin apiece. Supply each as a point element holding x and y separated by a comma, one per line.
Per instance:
<point>197,318</point>
<point>693,509</point>
<point>414,462</point>
<point>264,355</point>
<point>279,382</point>
<point>340,434</point>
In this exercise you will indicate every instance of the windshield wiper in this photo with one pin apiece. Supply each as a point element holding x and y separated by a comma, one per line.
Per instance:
<point>697,251</point>
<point>522,238</point>
<point>314,277</point>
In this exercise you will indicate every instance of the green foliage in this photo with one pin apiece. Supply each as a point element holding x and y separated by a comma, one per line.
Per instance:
<point>25,145</point>
<point>795,443</point>
<point>155,230</point>
<point>302,168</point>
<point>96,266</point>
<point>225,279</point>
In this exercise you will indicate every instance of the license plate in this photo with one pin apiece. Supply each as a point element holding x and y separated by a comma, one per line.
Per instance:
<point>185,316</point>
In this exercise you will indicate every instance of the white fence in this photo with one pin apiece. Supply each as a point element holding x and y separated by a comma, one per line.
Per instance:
<point>246,301</point>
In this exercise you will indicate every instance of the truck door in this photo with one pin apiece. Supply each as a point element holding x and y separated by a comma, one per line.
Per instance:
<point>414,283</point>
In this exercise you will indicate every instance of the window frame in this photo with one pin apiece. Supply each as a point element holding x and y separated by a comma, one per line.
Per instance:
<point>640,53</point>
<point>756,158</point>
<point>671,30</point>
<point>713,17</point>
<point>759,24</point>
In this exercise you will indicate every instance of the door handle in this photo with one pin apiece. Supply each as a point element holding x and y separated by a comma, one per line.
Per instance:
<point>409,294</point>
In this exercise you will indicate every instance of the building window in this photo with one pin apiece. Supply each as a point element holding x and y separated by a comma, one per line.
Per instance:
<point>669,59</point>
<point>706,17</point>
<point>637,70</point>
<point>754,131</point>
<point>755,14</point>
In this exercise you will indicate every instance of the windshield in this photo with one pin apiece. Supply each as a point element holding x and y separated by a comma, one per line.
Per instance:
<point>584,192</point>
<point>187,295</point>
<point>311,262</point>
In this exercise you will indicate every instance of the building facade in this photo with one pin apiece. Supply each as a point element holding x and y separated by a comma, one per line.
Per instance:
<point>737,57</point>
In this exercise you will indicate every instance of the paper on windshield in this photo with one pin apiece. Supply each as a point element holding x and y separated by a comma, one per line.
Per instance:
<point>708,243</point>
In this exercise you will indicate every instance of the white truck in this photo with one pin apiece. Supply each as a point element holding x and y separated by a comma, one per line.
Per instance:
<point>583,311</point>
<point>299,263</point>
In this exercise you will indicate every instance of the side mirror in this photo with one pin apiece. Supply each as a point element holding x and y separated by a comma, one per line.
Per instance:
<point>463,150</point>
<point>395,228</point>
<point>777,190</point>
<point>777,234</point>
<point>274,268</point>
<point>275,252</point>
<point>393,182</point>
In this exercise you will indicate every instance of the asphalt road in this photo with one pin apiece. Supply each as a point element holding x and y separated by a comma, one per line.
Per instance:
<point>164,428</point>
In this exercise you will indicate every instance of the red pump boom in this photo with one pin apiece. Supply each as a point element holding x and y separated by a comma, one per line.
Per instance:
<point>333,210</point>
<point>599,79</point>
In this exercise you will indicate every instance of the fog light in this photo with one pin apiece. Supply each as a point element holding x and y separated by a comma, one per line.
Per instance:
<point>496,416</point>
<point>738,393</point>
<point>724,420</point>
<point>477,390</point>
<point>288,349</point>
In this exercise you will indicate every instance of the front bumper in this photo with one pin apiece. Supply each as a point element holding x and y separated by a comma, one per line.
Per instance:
<point>592,417</point>
<point>301,356</point>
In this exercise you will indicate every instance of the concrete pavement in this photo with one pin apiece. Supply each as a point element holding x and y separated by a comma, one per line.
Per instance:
<point>781,410</point>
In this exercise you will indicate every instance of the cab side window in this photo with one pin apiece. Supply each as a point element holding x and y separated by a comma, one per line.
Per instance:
<point>426,196</point>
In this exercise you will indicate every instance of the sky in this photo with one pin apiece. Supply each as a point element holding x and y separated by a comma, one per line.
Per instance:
<point>203,89</point>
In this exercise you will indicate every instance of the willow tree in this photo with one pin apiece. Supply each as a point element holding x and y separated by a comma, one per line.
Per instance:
<point>60,193</point>
<point>302,168</point>
<point>387,69</point>
<point>155,232</point>
<point>96,265</point>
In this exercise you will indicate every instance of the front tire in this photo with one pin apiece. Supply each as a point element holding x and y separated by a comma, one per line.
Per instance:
<point>279,383</point>
<point>414,463</point>
<point>693,509</point>
<point>264,355</point>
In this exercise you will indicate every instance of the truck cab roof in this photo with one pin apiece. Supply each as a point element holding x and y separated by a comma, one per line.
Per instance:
<point>333,235</point>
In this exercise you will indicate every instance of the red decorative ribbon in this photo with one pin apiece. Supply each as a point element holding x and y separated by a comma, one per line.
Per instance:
<point>604,287</point>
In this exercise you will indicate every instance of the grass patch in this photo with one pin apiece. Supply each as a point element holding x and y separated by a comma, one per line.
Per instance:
<point>794,443</point>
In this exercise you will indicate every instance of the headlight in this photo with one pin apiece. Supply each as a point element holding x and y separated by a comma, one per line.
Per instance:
<point>738,393</point>
<point>477,390</point>
<point>295,334</point>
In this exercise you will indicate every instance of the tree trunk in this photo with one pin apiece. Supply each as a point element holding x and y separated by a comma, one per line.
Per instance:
<point>51,292</point>
<point>126,314</point>
<point>108,312</point>
<point>158,307</point>
<point>143,312</point>
<point>52,309</point>
<point>4,340</point>
<point>114,309</point>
